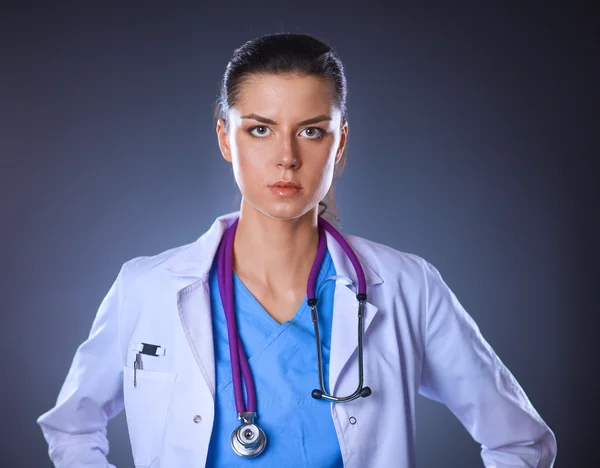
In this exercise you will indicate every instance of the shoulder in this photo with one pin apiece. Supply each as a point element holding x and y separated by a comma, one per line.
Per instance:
<point>395,265</point>
<point>410,272</point>
<point>385,257</point>
<point>152,265</point>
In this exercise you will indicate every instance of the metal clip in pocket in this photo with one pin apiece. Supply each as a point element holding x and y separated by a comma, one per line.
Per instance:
<point>148,349</point>
<point>137,364</point>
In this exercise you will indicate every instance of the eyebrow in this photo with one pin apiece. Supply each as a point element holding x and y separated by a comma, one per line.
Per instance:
<point>319,118</point>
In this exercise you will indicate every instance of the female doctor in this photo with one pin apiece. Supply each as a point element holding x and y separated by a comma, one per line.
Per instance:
<point>273,340</point>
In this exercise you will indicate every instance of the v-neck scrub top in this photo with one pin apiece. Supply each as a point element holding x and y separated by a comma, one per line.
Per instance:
<point>283,360</point>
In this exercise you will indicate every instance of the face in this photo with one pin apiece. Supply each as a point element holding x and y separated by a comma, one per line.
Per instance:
<point>283,128</point>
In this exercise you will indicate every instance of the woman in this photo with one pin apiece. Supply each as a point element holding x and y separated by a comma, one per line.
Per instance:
<point>199,393</point>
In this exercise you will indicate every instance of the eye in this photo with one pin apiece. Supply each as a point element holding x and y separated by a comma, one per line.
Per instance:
<point>313,133</point>
<point>259,131</point>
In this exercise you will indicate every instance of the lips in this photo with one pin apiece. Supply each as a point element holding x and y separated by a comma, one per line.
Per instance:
<point>285,188</point>
<point>285,183</point>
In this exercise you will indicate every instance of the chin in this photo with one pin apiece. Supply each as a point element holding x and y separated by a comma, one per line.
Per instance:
<point>284,210</point>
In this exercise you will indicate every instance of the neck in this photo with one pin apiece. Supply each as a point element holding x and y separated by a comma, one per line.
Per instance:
<point>277,253</point>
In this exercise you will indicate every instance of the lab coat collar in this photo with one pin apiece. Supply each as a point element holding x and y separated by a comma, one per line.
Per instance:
<point>196,260</point>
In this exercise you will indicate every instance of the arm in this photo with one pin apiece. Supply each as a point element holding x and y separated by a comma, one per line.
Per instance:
<point>91,395</point>
<point>461,370</point>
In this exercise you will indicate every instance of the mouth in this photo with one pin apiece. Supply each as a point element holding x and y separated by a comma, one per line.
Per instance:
<point>285,183</point>
<point>284,188</point>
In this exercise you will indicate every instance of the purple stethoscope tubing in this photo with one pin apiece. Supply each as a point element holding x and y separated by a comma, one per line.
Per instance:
<point>236,352</point>
<point>312,278</point>
<point>239,362</point>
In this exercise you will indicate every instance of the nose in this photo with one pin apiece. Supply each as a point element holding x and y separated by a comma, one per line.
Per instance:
<point>288,154</point>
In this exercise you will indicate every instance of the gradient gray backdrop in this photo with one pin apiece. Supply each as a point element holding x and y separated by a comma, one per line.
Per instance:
<point>472,131</point>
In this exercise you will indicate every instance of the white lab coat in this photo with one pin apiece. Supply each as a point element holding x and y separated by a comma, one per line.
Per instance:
<point>418,339</point>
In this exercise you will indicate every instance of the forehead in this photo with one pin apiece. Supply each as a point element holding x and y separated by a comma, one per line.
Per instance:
<point>282,94</point>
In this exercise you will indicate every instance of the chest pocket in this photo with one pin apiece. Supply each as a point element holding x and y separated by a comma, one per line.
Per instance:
<point>146,409</point>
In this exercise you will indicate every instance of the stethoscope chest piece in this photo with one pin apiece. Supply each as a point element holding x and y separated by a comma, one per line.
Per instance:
<point>248,440</point>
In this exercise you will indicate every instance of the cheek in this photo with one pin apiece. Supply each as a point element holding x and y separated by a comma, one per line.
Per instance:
<point>326,174</point>
<point>252,157</point>
<point>322,159</point>
<point>249,161</point>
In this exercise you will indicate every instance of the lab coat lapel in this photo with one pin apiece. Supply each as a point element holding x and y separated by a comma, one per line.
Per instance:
<point>193,304</point>
<point>190,270</point>
<point>344,332</point>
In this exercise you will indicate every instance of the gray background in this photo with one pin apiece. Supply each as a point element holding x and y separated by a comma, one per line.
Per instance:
<point>472,135</point>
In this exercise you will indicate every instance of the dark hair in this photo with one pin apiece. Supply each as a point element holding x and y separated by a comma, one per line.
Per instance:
<point>285,53</point>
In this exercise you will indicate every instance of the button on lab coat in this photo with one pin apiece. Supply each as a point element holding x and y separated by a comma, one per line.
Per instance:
<point>418,340</point>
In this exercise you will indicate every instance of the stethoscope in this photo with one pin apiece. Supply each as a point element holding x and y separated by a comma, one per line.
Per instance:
<point>248,439</point>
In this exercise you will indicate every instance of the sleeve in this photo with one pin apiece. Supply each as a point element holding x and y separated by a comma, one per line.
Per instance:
<point>91,395</point>
<point>462,371</point>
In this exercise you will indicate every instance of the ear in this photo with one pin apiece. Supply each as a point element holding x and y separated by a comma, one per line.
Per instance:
<point>223,140</point>
<point>343,141</point>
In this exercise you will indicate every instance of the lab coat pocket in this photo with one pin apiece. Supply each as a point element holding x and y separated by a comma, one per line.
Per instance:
<point>146,409</point>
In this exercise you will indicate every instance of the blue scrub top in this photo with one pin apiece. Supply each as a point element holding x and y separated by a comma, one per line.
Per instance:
<point>283,360</point>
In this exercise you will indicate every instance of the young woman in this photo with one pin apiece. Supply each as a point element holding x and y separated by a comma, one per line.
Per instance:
<point>273,340</point>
